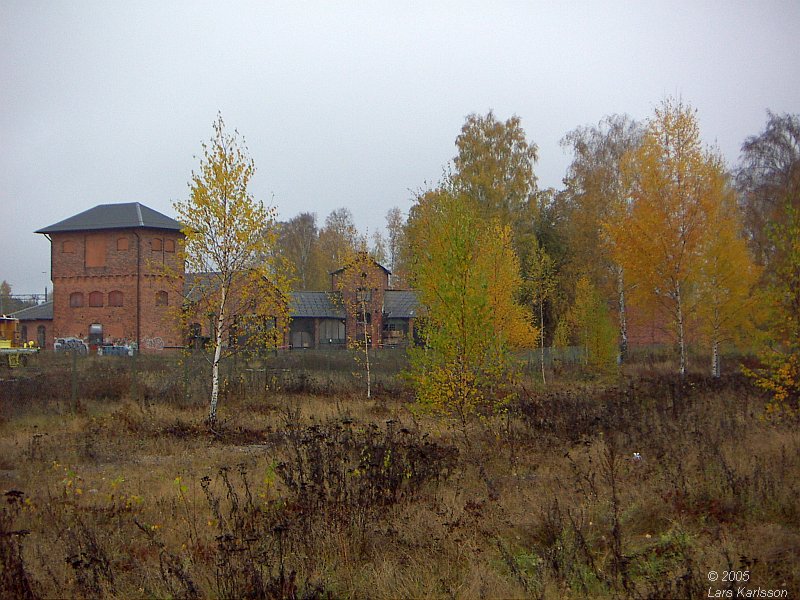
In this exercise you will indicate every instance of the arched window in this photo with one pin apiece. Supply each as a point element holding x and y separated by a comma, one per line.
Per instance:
<point>169,245</point>
<point>40,335</point>
<point>68,247</point>
<point>96,299</point>
<point>76,299</point>
<point>115,298</point>
<point>23,333</point>
<point>157,245</point>
<point>122,244</point>
<point>162,298</point>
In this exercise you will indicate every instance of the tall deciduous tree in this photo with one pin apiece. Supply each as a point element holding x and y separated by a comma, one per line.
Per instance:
<point>298,243</point>
<point>726,299</point>
<point>338,239</point>
<point>769,181</point>
<point>395,240</point>
<point>540,286</point>
<point>466,274</point>
<point>358,284</point>
<point>596,193</point>
<point>781,373</point>
<point>378,248</point>
<point>659,242</point>
<point>9,302</point>
<point>494,168</point>
<point>592,324</point>
<point>229,246</point>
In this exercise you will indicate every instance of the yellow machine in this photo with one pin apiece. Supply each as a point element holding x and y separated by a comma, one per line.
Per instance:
<point>13,353</point>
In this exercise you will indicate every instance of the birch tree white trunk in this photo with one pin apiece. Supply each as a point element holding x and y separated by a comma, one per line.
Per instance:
<point>366,348</point>
<point>212,415</point>
<point>541,337</point>
<point>623,319</point>
<point>715,368</point>
<point>681,338</point>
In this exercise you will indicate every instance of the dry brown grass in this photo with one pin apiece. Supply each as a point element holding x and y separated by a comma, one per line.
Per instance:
<point>305,495</point>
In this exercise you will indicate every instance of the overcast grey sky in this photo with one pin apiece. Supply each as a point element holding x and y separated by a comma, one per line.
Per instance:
<point>346,103</point>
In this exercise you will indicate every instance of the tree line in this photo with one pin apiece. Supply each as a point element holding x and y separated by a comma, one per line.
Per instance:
<point>315,250</point>
<point>650,218</point>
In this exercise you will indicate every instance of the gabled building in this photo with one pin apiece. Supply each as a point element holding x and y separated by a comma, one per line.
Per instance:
<point>318,320</point>
<point>118,278</point>
<point>359,298</point>
<point>36,324</point>
<point>108,268</point>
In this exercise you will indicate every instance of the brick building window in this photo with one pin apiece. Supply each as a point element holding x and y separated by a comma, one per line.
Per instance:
<point>169,245</point>
<point>40,336</point>
<point>23,333</point>
<point>157,245</point>
<point>68,247</point>
<point>96,299</point>
<point>76,299</point>
<point>115,298</point>
<point>162,298</point>
<point>122,244</point>
<point>96,251</point>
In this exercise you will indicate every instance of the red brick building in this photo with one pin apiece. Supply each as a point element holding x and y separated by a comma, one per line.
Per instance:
<point>117,276</point>
<point>359,293</point>
<point>36,324</point>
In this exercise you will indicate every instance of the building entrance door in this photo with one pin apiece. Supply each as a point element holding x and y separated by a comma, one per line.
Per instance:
<point>95,336</point>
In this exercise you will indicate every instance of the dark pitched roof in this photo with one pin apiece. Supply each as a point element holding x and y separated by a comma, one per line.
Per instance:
<point>316,304</point>
<point>195,284</point>
<point>115,216</point>
<point>400,304</point>
<point>40,312</point>
<point>364,254</point>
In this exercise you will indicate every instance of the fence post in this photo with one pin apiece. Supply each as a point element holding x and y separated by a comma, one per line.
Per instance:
<point>74,382</point>
<point>135,376</point>
<point>186,356</point>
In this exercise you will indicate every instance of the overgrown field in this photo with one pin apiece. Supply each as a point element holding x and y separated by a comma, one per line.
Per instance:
<point>631,487</point>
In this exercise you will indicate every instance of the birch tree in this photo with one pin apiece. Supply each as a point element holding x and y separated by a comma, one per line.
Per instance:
<point>494,168</point>
<point>770,182</point>
<point>466,274</point>
<point>338,239</point>
<point>595,194</point>
<point>727,301</point>
<point>593,326</point>
<point>230,237</point>
<point>540,285</point>
<point>659,242</point>
<point>361,288</point>
<point>298,243</point>
<point>395,240</point>
<point>378,248</point>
